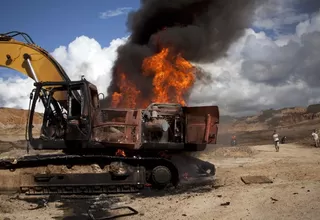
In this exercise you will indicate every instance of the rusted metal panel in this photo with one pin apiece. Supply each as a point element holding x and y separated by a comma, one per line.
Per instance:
<point>208,128</point>
<point>123,127</point>
<point>118,126</point>
<point>202,110</point>
<point>128,129</point>
<point>201,124</point>
<point>136,133</point>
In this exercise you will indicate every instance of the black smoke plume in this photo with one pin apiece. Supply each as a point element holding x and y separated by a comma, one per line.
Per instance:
<point>201,30</point>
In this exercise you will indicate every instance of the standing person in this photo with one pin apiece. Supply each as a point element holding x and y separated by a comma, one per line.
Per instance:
<point>233,140</point>
<point>315,137</point>
<point>276,140</point>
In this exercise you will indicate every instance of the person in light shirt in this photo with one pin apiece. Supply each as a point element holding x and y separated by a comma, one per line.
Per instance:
<point>276,140</point>
<point>315,137</point>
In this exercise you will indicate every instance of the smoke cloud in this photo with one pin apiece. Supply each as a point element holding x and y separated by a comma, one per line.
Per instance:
<point>201,30</point>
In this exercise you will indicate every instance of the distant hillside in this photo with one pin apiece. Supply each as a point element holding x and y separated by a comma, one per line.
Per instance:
<point>12,116</point>
<point>271,119</point>
<point>13,121</point>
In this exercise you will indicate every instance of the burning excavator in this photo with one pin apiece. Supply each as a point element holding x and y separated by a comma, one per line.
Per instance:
<point>133,147</point>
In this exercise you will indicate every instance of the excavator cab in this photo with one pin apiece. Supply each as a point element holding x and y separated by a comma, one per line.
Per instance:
<point>67,123</point>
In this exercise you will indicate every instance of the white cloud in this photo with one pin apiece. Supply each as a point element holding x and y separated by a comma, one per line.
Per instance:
<point>260,72</point>
<point>83,56</point>
<point>276,15</point>
<point>114,13</point>
<point>309,25</point>
<point>14,92</point>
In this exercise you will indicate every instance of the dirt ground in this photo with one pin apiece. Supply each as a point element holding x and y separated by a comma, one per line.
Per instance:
<point>294,193</point>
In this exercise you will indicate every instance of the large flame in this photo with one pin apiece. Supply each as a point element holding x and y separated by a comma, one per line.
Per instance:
<point>128,94</point>
<point>173,76</point>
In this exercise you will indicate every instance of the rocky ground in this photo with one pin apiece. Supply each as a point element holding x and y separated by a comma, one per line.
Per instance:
<point>294,193</point>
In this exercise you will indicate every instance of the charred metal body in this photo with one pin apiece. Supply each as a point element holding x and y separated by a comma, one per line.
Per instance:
<point>138,146</point>
<point>83,124</point>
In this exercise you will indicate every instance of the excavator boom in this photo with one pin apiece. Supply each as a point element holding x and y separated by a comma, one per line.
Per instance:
<point>30,60</point>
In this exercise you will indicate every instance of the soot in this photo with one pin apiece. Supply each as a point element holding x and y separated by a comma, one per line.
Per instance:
<point>201,30</point>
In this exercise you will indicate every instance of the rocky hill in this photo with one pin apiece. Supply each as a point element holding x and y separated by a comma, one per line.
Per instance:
<point>13,122</point>
<point>272,119</point>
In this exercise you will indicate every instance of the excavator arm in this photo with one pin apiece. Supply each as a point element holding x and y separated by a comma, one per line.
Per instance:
<point>30,60</point>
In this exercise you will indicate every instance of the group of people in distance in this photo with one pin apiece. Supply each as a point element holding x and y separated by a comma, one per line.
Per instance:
<point>283,140</point>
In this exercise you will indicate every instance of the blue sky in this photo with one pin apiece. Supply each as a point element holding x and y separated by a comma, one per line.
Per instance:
<point>59,22</point>
<point>54,23</point>
<point>236,88</point>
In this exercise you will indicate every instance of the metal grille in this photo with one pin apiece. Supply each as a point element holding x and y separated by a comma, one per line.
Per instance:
<point>115,116</point>
<point>169,119</point>
<point>127,134</point>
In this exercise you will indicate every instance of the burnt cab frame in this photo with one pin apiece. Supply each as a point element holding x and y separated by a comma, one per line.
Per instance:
<point>77,121</point>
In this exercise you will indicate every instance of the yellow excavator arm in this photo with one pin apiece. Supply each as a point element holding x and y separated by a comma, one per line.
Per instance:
<point>30,60</point>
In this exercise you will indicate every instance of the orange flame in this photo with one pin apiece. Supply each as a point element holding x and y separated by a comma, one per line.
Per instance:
<point>128,94</point>
<point>173,76</point>
<point>120,153</point>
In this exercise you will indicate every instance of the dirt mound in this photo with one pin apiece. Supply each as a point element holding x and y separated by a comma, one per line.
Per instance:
<point>223,151</point>
<point>13,122</point>
<point>242,151</point>
<point>6,146</point>
<point>11,116</point>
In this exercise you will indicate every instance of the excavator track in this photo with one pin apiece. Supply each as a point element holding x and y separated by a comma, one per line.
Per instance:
<point>86,183</point>
<point>70,184</point>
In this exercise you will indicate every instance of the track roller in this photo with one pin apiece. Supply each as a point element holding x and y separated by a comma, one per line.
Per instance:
<point>161,176</point>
